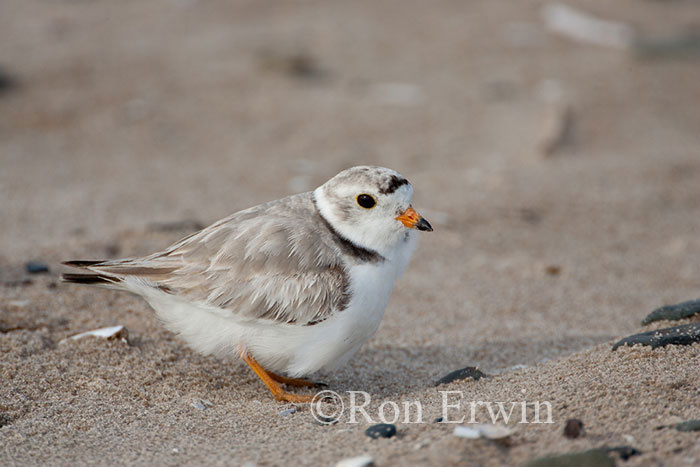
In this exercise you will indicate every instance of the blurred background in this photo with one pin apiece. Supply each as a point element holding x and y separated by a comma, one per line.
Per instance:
<point>545,141</point>
<point>554,147</point>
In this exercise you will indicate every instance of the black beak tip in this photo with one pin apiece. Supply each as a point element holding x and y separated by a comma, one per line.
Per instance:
<point>424,225</point>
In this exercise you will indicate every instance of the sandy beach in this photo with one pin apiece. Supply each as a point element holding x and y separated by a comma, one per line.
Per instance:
<point>562,179</point>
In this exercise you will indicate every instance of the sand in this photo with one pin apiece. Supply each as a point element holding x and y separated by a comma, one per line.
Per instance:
<point>124,125</point>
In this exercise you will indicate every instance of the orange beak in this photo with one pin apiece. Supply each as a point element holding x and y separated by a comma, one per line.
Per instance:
<point>411,219</point>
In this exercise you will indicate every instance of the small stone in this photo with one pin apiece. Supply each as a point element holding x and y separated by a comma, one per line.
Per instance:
<point>325,421</point>
<point>573,428</point>
<point>296,64</point>
<point>198,405</point>
<point>486,431</point>
<point>678,335</point>
<point>4,420</point>
<point>359,461</point>
<point>381,430</point>
<point>674,312</point>
<point>36,267</point>
<point>288,411</point>
<point>7,81</point>
<point>690,425</point>
<point>625,452</point>
<point>464,373</point>
<point>438,420</point>
<point>590,458</point>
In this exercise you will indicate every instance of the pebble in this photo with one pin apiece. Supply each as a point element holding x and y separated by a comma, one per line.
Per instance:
<point>483,431</point>
<point>674,312</point>
<point>325,421</point>
<point>678,335</point>
<point>4,420</point>
<point>198,405</point>
<point>7,82</point>
<point>359,461</point>
<point>202,404</point>
<point>381,430</point>
<point>690,425</point>
<point>464,373</point>
<point>573,428</point>
<point>296,64</point>
<point>288,411</point>
<point>625,452</point>
<point>36,267</point>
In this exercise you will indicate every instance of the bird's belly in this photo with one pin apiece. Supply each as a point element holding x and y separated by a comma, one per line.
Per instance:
<point>294,350</point>
<point>300,350</point>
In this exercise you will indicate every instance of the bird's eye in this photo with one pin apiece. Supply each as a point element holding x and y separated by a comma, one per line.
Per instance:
<point>366,201</point>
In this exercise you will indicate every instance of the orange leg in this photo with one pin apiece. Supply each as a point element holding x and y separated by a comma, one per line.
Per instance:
<point>273,384</point>
<point>300,383</point>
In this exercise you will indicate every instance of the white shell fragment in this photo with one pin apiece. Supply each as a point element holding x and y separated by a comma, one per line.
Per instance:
<point>111,332</point>
<point>483,431</point>
<point>359,461</point>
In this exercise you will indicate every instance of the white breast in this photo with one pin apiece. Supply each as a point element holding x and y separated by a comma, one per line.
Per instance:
<point>337,339</point>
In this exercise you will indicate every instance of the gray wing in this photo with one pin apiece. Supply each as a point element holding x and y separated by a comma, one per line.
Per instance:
<point>276,261</point>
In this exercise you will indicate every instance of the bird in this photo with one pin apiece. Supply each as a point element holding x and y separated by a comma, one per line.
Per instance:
<point>292,286</point>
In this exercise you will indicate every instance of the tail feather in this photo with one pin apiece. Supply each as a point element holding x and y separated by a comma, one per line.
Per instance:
<point>93,278</point>
<point>82,263</point>
<point>89,279</point>
<point>111,273</point>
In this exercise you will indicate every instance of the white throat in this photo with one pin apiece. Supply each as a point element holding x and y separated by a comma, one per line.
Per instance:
<point>382,241</point>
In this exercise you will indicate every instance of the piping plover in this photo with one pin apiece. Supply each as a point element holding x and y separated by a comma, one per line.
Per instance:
<point>293,286</point>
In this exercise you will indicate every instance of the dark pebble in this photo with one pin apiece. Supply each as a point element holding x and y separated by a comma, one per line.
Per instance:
<point>674,312</point>
<point>7,82</point>
<point>625,452</point>
<point>382,430</point>
<point>464,373</point>
<point>690,425</point>
<point>678,335</point>
<point>36,267</point>
<point>4,420</point>
<point>438,420</point>
<point>573,428</point>
<point>304,66</point>
<point>325,421</point>
<point>590,458</point>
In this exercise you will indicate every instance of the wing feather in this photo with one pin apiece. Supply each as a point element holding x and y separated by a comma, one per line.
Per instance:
<point>276,261</point>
